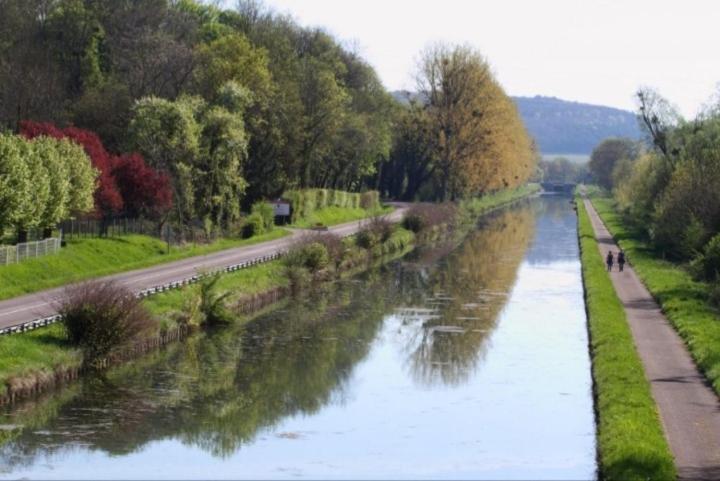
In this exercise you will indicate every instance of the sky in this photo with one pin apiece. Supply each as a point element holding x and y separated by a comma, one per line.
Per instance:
<point>595,51</point>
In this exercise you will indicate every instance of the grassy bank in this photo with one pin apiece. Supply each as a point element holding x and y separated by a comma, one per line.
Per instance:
<point>631,443</point>
<point>333,215</point>
<point>683,300</point>
<point>479,205</point>
<point>87,258</point>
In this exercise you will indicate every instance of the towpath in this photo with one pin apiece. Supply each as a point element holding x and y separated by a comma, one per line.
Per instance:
<point>688,407</point>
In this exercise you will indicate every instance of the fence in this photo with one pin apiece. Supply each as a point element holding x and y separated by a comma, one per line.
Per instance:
<point>19,252</point>
<point>114,227</point>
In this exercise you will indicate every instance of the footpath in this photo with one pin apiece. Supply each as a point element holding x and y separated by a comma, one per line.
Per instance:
<point>689,409</point>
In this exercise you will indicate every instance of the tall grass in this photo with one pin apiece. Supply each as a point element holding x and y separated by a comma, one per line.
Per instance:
<point>631,443</point>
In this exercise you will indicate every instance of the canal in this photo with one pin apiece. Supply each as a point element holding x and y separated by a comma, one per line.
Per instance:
<point>466,360</point>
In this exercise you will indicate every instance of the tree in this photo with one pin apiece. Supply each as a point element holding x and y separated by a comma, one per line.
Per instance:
<point>14,180</point>
<point>146,192</point>
<point>57,205</point>
<point>168,136</point>
<point>481,142</point>
<point>223,150</point>
<point>606,155</point>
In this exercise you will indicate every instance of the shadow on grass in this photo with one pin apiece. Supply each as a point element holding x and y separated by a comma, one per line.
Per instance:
<point>628,467</point>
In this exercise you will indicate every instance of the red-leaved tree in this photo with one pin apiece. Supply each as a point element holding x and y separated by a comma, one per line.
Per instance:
<point>145,191</point>
<point>125,183</point>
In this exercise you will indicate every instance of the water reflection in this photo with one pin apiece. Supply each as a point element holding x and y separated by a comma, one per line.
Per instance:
<point>417,369</point>
<point>444,325</point>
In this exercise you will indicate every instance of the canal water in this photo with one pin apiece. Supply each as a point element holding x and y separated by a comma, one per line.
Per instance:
<point>465,360</point>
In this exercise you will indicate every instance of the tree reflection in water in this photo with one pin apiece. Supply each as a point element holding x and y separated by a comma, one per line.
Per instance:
<point>446,327</point>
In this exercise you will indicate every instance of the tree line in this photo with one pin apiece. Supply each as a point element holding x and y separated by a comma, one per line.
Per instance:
<point>668,186</point>
<point>224,107</point>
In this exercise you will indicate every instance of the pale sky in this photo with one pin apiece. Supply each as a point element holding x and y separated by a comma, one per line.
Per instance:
<point>595,51</point>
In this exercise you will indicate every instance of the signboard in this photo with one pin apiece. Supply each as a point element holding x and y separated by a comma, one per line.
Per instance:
<point>281,208</point>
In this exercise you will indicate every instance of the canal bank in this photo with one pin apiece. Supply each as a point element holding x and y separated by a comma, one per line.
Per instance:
<point>454,362</point>
<point>631,443</point>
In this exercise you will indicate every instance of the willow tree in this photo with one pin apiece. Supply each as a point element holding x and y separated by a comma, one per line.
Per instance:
<point>481,143</point>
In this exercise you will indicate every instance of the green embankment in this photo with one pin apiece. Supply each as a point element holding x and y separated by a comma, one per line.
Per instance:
<point>631,443</point>
<point>87,258</point>
<point>683,300</point>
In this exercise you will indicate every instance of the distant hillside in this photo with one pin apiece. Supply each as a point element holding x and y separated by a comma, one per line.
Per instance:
<point>564,127</point>
<point>560,126</point>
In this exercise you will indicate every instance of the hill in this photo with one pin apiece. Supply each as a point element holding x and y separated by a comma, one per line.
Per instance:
<point>561,126</point>
<point>565,127</point>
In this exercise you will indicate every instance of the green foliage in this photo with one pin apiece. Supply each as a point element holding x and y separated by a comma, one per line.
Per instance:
<point>267,213</point>
<point>706,265</point>
<point>631,443</point>
<point>305,203</point>
<point>254,225</point>
<point>43,181</point>
<point>606,156</point>
<point>212,304</point>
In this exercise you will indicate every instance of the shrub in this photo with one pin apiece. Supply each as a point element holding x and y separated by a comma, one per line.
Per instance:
<point>367,239</point>
<point>212,304</point>
<point>422,217</point>
<point>714,295</point>
<point>102,316</point>
<point>707,265</point>
<point>308,254</point>
<point>370,200</point>
<point>254,225</point>
<point>266,212</point>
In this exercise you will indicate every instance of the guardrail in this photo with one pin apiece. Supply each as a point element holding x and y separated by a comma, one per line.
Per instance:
<point>46,321</point>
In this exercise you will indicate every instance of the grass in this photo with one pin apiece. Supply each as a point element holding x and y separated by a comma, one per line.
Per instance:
<point>35,353</point>
<point>87,258</point>
<point>631,443</point>
<point>338,215</point>
<point>683,300</point>
<point>479,205</point>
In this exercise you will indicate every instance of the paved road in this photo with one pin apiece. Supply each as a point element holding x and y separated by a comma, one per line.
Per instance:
<point>689,409</point>
<point>26,308</point>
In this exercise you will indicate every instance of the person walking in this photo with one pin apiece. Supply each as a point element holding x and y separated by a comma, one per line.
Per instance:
<point>609,260</point>
<point>621,260</point>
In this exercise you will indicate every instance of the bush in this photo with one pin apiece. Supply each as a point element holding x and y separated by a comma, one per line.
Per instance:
<point>714,295</point>
<point>376,231</point>
<point>254,225</point>
<point>370,200</point>
<point>367,239</point>
<point>266,212</point>
<point>707,265</point>
<point>102,316</point>
<point>422,217</point>
<point>311,255</point>
<point>212,304</point>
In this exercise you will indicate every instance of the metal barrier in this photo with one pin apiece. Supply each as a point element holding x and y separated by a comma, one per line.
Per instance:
<point>45,321</point>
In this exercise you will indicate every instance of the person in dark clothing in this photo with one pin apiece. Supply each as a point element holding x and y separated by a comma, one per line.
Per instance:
<point>609,260</point>
<point>621,260</point>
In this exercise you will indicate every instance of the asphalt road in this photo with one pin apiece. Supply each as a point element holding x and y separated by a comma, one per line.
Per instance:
<point>688,407</point>
<point>41,304</point>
